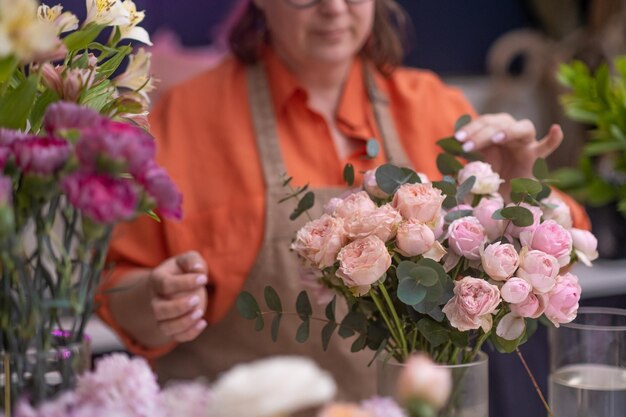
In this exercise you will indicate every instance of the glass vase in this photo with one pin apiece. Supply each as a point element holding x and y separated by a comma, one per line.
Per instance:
<point>39,375</point>
<point>588,365</point>
<point>469,396</point>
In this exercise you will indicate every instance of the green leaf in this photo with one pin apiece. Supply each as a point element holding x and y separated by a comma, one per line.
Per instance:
<point>462,121</point>
<point>276,326</point>
<point>458,214</point>
<point>247,306</point>
<point>287,181</point>
<point>497,215</point>
<point>7,67</point>
<point>330,309</point>
<point>520,216</point>
<point>525,185</point>
<point>448,188</point>
<point>568,178</point>
<point>359,343</point>
<point>352,322</point>
<point>302,334</point>
<point>390,177</point>
<point>372,148</point>
<point>545,192</point>
<point>40,107</point>
<point>449,202</point>
<point>112,64</point>
<point>79,39</point>
<point>434,332</point>
<point>348,174</point>
<point>434,292</point>
<point>459,339</point>
<point>307,202</point>
<point>465,188</point>
<point>451,145</point>
<point>600,148</point>
<point>503,345</point>
<point>410,291</point>
<point>404,269</point>
<point>303,306</point>
<point>327,333</point>
<point>15,106</point>
<point>411,176</point>
<point>617,132</point>
<point>540,169</point>
<point>272,299</point>
<point>435,266</point>
<point>258,326</point>
<point>448,164</point>
<point>425,275</point>
<point>376,335</point>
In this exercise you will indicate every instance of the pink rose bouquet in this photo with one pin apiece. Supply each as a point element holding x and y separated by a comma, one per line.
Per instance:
<point>442,266</point>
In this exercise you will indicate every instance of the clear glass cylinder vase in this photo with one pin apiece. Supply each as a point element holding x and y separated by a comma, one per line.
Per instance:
<point>588,365</point>
<point>470,386</point>
<point>39,375</point>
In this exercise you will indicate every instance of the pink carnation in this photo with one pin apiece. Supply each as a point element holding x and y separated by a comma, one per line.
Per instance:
<point>127,146</point>
<point>472,305</point>
<point>162,189</point>
<point>64,115</point>
<point>101,198</point>
<point>41,155</point>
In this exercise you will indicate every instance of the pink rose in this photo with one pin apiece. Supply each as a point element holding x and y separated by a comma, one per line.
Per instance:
<point>563,300</point>
<point>320,240</point>
<point>472,305</point>
<point>515,290</point>
<point>362,263</point>
<point>421,202</point>
<point>516,231</point>
<point>483,212</point>
<point>466,237</point>
<point>332,205</point>
<point>585,245</point>
<point>311,280</point>
<point>500,260</point>
<point>414,238</point>
<point>343,410</point>
<point>487,181</point>
<point>359,202</point>
<point>382,222</point>
<point>371,186</point>
<point>532,307</point>
<point>439,226</point>
<point>101,198</point>
<point>423,379</point>
<point>551,238</point>
<point>539,269</point>
<point>160,187</point>
<point>41,155</point>
<point>555,209</point>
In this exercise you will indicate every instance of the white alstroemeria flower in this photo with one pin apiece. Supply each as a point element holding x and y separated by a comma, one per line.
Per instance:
<point>107,12</point>
<point>271,387</point>
<point>132,31</point>
<point>137,75</point>
<point>22,34</point>
<point>63,21</point>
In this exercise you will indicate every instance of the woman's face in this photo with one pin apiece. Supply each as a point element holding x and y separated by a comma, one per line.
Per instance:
<point>329,32</point>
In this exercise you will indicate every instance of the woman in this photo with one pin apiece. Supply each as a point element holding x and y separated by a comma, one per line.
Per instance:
<point>307,84</point>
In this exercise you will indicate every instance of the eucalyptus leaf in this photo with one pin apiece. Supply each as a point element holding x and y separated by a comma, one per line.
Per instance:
<point>425,276</point>
<point>437,314</point>
<point>465,188</point>
<point>446,187</point>
<point>540,169</point>
<point>303,306</point>
<point>404,268</point>
<point>390,177</point>
<point>457,214</point>
<point>448,164</point>
<point>434,332</point>
<point>434,292</point>
<point>305,203</point>
<point>272,299</point>
<point>276,326</point>
<point>520,216</point>
<point>302,334</point>
<point>526,185</point>
<point>258,325</point>
<point>462,121</point>
<point>410,291</point>
<point>372,148</point>
<point>348,174</point>
<point>503,345</point>
<point>248,306</point>
<point>330,309</point>
<point>411,176</point>
<point>359,344</point>
<point>436,266</point>
<point>327,333</point>
<point>451,145</point>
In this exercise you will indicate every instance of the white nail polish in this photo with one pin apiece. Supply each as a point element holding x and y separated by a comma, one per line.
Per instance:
<point>194,301</point>
<point>498,137</point>
<point>460,135</point>
<point>196,315</point>
<point>201,279</point>
<point>201,325</point>
<point>467,147</point>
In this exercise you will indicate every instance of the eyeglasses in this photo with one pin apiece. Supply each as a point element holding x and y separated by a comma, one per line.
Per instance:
<point>302,4</point>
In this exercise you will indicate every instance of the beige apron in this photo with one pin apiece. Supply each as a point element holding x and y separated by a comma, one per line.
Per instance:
<point>234,340</point>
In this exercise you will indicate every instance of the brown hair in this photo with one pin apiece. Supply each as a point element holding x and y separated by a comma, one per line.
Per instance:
<point>246,33</point>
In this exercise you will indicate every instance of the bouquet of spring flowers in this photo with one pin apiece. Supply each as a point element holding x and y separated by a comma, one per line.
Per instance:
<point>73,163</point>
<point>441,267</point>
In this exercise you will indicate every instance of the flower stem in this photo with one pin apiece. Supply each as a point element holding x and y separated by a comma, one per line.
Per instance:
<point>477,347</point>
<point>7,384</point>
<point>394,313</point>
<point>534,381</point>
<point>385,317</point>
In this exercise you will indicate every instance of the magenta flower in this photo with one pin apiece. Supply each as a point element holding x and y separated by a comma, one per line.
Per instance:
<point>102,198</point>
<point>117,143</point>
<point>40,155</point>
<point>162,189</point>
<point>63,115</point>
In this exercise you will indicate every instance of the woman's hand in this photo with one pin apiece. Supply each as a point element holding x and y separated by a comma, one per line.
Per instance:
<point>178,296</point>
<point>509,145</point>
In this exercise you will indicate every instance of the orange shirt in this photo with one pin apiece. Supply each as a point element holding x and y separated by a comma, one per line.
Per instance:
<point>206,142</point>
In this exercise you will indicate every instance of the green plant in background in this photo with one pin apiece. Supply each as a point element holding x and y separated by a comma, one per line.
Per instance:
<point>597,99</point>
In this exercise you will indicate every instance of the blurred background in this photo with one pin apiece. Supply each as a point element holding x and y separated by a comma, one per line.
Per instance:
<point>505,55</point>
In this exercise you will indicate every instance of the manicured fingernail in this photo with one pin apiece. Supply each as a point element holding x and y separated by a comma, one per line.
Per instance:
<point>194,301</point>
<point>201,325</point>
<point>201,279</point>
<point>498,137</point>
<point>467,147</point>
<point>197,267</point>
<point>461,135</point>
<point>196,314</point>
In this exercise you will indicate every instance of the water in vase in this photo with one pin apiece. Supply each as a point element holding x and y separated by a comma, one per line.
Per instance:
<point>588,390</point>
